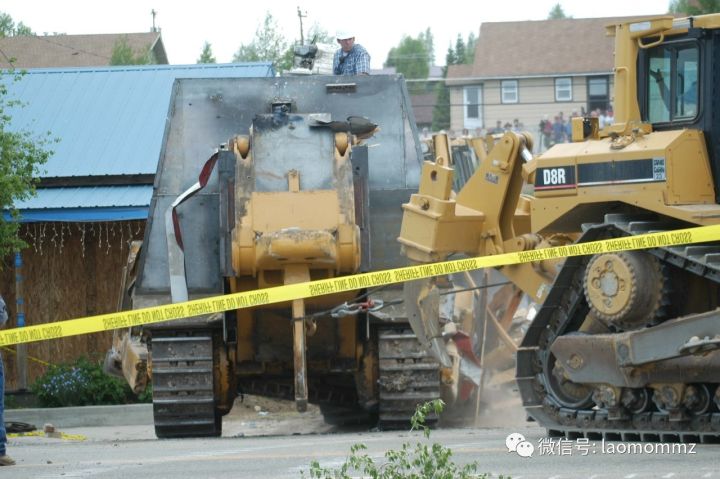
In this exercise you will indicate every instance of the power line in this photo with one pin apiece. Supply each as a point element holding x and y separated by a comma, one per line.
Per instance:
<point>489,85</point>
<point>521,105</point>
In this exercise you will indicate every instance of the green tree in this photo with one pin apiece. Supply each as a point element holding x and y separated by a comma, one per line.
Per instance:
<point>470,48</point>
<point>427,38</point>
<point>460,53</point>
<point>22,29</point>
<point>7,25</point>
<point>441,111</point>
<point>21,156</point>
<point>450,58</point>
<point>207,55</point>
<point>317,34</point>
<point>8,28</point>
<point>123,54</point>
<point>557,13</point>
<point>694,7</point>
<point>268,45</point>
<point>410,58</point>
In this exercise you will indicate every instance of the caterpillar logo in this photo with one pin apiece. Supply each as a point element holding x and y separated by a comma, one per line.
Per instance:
<point>555,178</point>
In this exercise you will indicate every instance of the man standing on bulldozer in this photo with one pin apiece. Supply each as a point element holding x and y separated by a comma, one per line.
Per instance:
<point>351,58</point>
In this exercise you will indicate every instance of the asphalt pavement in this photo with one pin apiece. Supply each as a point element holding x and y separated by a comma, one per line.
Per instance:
<point>263,444</point>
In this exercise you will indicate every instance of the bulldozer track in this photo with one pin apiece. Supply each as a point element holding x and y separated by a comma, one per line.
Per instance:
<point>408,376</point>
<point>183,392</point>
<point>563,312</point>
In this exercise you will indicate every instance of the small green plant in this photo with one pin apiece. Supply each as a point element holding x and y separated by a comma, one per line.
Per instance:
<point>423,461</point>
<point>146,395</point>
<point>81,383</point>
<point>11,402</point>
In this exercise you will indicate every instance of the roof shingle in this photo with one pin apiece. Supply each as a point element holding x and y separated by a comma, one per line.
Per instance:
<point>53,51</point>
<point>541,48</point>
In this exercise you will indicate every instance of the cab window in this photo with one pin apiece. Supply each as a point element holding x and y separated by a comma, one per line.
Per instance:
<point>672,83</point>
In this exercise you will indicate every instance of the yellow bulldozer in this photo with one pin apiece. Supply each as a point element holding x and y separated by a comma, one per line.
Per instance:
<point>624,345</point>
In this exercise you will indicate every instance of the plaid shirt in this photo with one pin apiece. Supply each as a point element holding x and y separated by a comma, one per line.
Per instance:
<point>357,61</point>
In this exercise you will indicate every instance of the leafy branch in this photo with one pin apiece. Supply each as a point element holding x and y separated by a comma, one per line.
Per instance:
<point>421,461</point>
<point>22,153</point>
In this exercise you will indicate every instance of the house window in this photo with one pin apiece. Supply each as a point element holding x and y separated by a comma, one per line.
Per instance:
<point>472,102</point>
<point>509,91</point>
<point>472,107</point>
<point>563,89</point>
<point>598,87</point>
<point>598,93</point>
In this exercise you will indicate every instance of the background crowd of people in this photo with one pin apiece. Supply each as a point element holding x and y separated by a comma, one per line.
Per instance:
<point>559,130</point>
<point>547,133</point>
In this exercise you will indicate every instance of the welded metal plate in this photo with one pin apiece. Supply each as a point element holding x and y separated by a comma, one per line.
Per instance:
<point>207,112</point>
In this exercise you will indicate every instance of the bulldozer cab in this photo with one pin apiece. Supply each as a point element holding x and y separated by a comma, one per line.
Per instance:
<point>676,88</point>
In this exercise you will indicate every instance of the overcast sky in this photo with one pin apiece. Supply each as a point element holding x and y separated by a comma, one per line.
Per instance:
<point>378,25</point>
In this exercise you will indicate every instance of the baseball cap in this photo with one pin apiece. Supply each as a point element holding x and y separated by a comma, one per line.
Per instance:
<point>344,34</point>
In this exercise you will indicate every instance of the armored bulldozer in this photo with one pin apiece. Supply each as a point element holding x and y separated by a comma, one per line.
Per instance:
<point>303,186</point>
<point>625,343</point>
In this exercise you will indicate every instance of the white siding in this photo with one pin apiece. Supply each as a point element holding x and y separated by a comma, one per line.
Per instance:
<point>456,108</point>
<point>536,99</point>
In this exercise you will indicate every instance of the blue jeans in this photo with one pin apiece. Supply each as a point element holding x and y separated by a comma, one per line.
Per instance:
<point>3,436</point>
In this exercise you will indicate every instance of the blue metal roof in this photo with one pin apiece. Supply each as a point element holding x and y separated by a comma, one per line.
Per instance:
<point>89,203</point>
<point>89,196</point>
<point>83,215</point>
<point>109,120</point>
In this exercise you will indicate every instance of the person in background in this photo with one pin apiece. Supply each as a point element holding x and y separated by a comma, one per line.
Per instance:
<point>558,130</point>
<point>545,128</point>
<point>498,128</point>
<point>5,460</point>
<point>568,126</point>
<point>609,117</point>
<point>351,58</point>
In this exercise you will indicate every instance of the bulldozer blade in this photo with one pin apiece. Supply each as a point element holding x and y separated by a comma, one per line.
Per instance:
<point>422,302</point>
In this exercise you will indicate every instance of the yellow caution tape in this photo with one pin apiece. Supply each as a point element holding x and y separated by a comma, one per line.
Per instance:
<point>62,435</point>
<point>31,358</point>
<point>278,294</point>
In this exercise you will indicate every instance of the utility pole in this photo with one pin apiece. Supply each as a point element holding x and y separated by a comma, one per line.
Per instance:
<point>153,13</point>
<point>301,16</point>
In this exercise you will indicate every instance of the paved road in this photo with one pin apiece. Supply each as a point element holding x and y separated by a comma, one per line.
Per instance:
<point>131,451</point>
